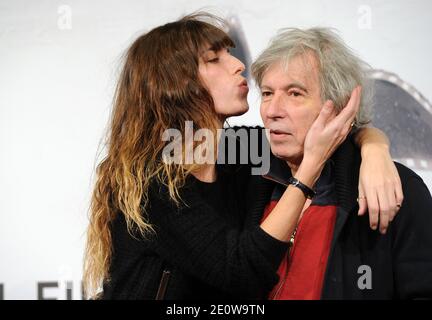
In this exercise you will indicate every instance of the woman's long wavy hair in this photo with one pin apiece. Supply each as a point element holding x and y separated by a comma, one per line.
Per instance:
<point>159,88</point>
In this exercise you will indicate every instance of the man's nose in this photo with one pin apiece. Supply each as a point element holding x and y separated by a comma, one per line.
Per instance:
<point>275,107</point>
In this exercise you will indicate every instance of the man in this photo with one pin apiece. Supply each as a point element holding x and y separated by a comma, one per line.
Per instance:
<point>334,254</point>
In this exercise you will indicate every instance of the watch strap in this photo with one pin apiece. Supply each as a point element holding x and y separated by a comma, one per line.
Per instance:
<point>308,192</point>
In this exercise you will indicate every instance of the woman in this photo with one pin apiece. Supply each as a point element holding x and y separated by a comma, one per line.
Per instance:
<point>149,215</point>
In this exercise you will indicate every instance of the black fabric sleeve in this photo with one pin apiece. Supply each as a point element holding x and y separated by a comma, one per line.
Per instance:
<point>412,239</point>
<point>194,238</point>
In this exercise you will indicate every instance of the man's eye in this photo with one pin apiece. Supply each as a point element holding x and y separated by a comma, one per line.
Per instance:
<point>265,93</point>
<point>214,60</point>
<point>295,93</point>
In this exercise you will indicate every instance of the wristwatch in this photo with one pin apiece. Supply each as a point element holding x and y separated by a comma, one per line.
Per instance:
<point>308,192</point>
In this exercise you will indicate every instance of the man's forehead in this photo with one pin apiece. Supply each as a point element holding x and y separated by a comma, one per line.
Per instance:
<point>302,69</point>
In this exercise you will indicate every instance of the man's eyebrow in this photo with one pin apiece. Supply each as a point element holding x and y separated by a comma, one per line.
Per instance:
<point>287,87</point>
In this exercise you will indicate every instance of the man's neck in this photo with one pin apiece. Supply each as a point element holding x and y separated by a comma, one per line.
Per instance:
<point>293,165</point>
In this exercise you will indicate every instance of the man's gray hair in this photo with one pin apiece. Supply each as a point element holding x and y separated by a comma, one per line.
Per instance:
<point>340,70</point>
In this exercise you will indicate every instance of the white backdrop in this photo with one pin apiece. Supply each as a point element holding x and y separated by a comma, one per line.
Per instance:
<point>58,67</point>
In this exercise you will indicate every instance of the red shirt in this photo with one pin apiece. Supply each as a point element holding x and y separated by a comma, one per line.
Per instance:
<point>302,271</point>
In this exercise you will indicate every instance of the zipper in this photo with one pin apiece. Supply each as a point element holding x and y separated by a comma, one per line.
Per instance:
<point>287,257</point>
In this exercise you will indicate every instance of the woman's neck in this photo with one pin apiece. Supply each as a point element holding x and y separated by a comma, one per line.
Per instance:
<point>206,174</point>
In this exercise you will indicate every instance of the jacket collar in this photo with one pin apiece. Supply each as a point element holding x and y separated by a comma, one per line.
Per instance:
<point>279,171</point>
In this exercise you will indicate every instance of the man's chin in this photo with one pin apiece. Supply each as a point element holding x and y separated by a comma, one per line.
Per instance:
<point>279,150</point>
<point>280,154</point>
